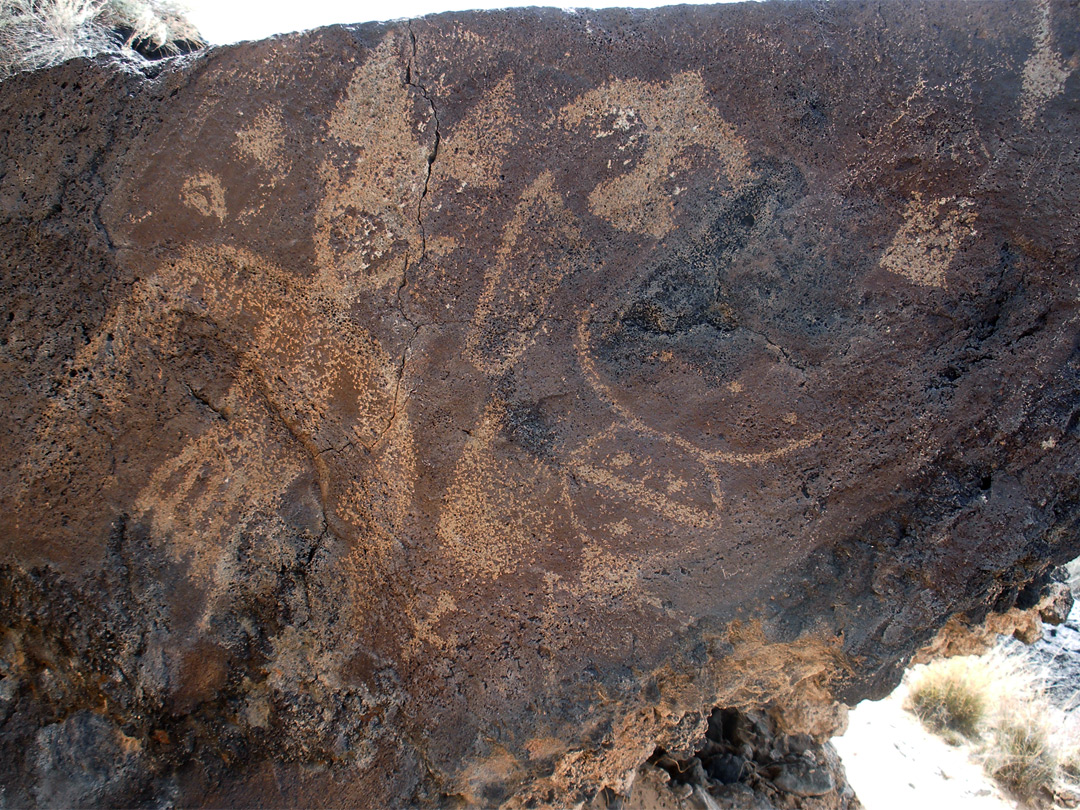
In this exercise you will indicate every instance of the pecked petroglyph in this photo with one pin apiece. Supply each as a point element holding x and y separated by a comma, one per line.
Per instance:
<point>343,468</point>
<point>366,225</point>
<point>925,245</point>
<point>684,491</point>
<point>654,128</point>
<point>487,527</point>
<point>1045,72</point>
<point>636,421</point>
<point>328,381</point>
<point>345,380</point>
<point>264,142</point>
<point>205,194</point>
<point>475,148</point>
<point>203,495</point>
<point>540,246</point>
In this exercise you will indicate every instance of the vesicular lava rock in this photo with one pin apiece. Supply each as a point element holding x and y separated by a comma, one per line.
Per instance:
<point>461,409</point>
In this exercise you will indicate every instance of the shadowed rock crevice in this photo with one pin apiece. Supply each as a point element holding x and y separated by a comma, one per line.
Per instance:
<point>746,760</point>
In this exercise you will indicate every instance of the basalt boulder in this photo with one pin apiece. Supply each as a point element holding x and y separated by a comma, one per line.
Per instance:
<point>460,410</point>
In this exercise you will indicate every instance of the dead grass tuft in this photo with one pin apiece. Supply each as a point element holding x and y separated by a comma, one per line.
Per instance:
<point>37,34</point>
<point>1023,756</point>
<point>999,703</point>
<point>952,695</point>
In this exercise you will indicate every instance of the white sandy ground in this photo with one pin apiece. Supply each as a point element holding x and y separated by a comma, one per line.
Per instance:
<point>893,763</point>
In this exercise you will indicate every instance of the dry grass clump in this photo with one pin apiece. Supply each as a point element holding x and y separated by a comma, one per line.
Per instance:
<point>40,33</point>
<point>998,702</point>
<point>952,695</point>
<point>1023,756</point>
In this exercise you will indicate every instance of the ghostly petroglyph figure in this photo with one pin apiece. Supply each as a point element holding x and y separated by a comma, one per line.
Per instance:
<point>493,524</point>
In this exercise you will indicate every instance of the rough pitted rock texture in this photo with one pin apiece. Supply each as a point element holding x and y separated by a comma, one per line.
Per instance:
<point>746,761</point>
<point>458,411</point>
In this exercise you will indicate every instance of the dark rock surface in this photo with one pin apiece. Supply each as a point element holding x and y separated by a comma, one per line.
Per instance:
<point>457,411</point>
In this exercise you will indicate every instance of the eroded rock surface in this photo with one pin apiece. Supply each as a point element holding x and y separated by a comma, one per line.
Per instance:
<point>747,761</point>
<point>458,411</point>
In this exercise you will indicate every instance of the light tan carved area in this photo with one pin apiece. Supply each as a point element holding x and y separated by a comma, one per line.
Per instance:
<point>499,509</point>
<point>474,150</point>
<point>688,493</point>
<point>366,226</point>
<point>333,386</point>
<point>665,122</point>
<point>204,193</point>
<point>324,379</point>
<point>263,142</point>
<point>426,637</point>
<point>538,250</point>
<point>928,240</point>
<point>1045,71</point>
<point>507,513</point>
<point>541,247</point>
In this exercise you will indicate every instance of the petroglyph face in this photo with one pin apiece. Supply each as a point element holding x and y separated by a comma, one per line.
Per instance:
<point>664,363</point>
